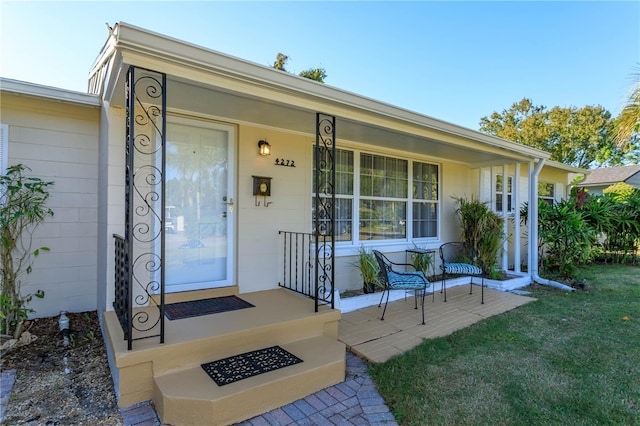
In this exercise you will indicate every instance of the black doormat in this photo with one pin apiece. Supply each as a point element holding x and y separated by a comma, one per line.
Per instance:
<point>196,308</point>
<point>249,364</point>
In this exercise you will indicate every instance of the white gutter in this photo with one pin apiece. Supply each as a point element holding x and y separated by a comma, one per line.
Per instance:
<point>533,230</point>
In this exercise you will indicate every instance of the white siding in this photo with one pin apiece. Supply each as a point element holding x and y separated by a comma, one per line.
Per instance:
<point>59,142</point>
<point>4,148</point>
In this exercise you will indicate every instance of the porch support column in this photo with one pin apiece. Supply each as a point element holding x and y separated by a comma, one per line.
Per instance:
<point>533,217</point>
<point>505,217</point>
<point>516,219</point>
<point>325,209</point>
<point>144,206</point>
<point>531,246</point>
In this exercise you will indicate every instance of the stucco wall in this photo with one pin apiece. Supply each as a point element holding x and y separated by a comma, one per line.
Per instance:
<point>258,243</point>
<point>59,142</point>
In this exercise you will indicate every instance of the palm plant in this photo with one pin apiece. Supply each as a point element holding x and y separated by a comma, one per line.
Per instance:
<point>482,229</point>
<point>628,122</point>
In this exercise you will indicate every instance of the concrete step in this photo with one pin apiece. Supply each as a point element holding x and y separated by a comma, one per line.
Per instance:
<point>191,397</point>
<point>278,317</point>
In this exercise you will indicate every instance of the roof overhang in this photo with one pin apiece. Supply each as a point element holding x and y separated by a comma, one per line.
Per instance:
<point>207,82</point>
<point>22,88</point>
<point>566,168</point>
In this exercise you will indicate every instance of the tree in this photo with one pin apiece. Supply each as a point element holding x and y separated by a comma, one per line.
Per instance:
<point>317,74</point>
<point>280,62</point>
<point>581,137</point>
<point>627,124</point>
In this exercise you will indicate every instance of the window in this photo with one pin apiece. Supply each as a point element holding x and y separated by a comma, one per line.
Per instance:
<point>4,148</point>
<point>425,200</point>
<point>500,193</point>
<point>546,192</point>
<point>383,197</point>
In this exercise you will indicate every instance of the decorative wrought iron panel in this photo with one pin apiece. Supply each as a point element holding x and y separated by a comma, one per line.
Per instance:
<point>325,207</point>
<point>144,203</point>
<point>121,300</point>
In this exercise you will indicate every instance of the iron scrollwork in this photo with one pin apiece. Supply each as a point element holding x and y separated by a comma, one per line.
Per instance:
<point>324,225</point>
<point>144,200</point>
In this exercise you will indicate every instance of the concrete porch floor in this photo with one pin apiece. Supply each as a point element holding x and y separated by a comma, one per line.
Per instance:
<point>377,341</point>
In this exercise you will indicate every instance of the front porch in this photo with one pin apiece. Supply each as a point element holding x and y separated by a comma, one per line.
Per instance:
<point>170,374</point>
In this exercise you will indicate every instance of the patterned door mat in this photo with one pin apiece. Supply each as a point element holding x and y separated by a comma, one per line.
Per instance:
<point>249,364</point>
<point>196,308</point>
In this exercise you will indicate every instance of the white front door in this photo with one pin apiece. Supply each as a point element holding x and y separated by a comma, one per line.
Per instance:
<point>199,208</point>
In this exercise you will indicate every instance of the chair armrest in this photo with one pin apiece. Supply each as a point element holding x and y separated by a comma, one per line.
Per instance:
<point>402,264</point>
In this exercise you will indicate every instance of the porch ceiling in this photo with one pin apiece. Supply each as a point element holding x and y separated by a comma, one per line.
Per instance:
<point>193,97</point>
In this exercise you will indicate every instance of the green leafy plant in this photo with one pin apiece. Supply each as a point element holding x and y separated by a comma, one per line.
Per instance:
<point>482,229</point>
<point>421,261</point>
<point>369,269</point>
<point>22,209</point>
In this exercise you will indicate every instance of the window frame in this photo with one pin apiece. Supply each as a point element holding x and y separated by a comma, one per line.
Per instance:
<point>497,206</point>
<point>346,246</point>
<point>549,199</point>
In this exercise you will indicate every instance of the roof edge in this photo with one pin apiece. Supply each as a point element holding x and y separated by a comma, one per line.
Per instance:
<point>133,37</point>
<point>24,88</point>
<point>566,167</point>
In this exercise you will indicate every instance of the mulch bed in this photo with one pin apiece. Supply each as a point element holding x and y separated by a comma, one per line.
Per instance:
<point>58,385</point>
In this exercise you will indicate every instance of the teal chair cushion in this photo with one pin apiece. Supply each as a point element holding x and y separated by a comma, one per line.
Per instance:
<point>461,269</point>
<point>407,280</point>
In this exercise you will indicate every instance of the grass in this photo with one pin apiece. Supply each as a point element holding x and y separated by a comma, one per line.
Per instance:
<point>571,358</point>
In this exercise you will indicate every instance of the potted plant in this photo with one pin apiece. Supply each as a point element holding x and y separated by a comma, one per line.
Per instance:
<point>421,261</point>
<point>369,269</point>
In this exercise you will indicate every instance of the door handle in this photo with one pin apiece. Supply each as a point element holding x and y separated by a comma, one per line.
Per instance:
<point>229,203</point>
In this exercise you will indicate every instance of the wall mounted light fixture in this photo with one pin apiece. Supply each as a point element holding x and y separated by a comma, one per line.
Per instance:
<point>264,148</point>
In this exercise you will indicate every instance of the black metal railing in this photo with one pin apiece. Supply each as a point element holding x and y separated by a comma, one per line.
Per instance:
<point>121,302</point>
<point>300,262</point>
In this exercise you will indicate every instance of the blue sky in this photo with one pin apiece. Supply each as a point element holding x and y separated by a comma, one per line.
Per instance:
<point>455,61</point>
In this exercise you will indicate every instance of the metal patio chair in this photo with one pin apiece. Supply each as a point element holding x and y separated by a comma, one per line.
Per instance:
<point>394,279</point>
<point>460,259</point>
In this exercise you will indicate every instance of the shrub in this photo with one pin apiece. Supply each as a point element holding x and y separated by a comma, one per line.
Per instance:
<point>22,209</point>
<point>482,229</point>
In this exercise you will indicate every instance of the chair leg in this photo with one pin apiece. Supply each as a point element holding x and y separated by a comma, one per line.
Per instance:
<point>381,297</point>
<point>482,291</point>
<point>385,306</point>
<point>415,298</point>
<point>423,294</point>
<point>471,285</point>
<point>444,285</point>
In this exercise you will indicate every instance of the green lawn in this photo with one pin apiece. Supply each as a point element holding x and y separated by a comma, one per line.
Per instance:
<point>571,358</point>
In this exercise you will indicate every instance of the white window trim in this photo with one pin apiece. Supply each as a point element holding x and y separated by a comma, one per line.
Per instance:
<point>4,148</point>
<point>352,247</point>
<point>554,197</point>
<point>494,192</point>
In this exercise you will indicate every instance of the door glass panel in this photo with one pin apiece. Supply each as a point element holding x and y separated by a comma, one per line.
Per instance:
<point>197,209</point>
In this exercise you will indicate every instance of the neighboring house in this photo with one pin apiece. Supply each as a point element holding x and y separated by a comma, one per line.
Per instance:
<point>599,179</point>
<point>223,204</point>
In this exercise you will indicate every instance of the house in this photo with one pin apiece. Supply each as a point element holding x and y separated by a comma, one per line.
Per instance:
<point>162,194</point>
<point>599,179</point>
